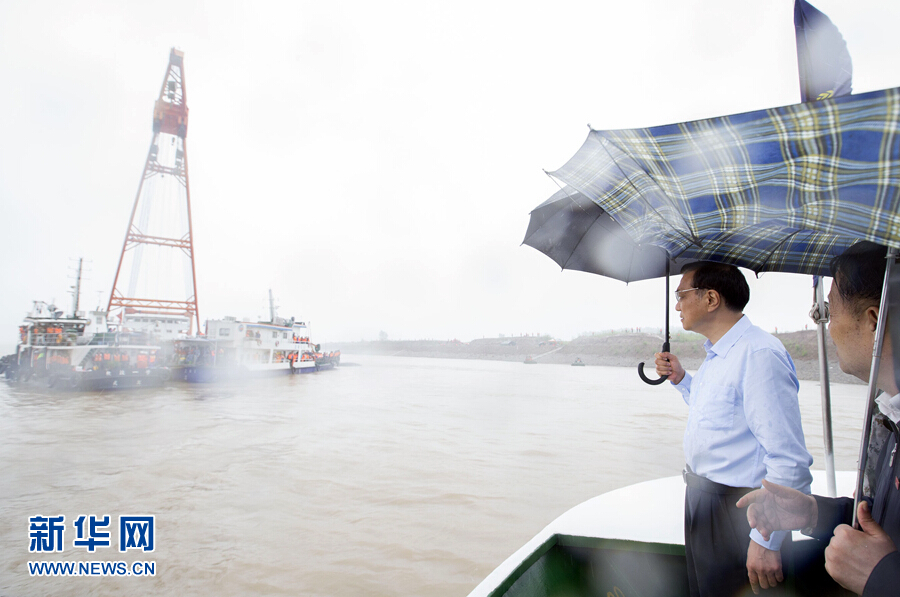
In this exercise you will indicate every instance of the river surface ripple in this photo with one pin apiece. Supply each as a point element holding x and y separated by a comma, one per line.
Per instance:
<point>400,476</point>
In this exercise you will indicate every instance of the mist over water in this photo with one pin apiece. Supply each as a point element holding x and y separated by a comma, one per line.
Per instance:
<point>401,476</point>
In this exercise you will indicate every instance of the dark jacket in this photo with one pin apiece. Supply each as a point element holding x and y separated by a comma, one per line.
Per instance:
<point>885,578</point>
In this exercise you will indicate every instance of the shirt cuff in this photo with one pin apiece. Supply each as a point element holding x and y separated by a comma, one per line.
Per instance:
<point>684,386</point>
<point>774,542</point>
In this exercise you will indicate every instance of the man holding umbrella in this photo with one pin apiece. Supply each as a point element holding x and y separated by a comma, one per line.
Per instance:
<point>865,561</point>
<point>743,426</point>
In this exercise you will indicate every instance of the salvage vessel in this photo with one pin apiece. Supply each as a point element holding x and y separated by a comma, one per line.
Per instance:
<point>80,352</point>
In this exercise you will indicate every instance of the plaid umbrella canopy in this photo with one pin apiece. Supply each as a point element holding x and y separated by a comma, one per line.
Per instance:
<point>784,189</point>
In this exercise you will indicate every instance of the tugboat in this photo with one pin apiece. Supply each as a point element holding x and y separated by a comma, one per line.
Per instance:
<point>233,348</point>
<point>79,352</point>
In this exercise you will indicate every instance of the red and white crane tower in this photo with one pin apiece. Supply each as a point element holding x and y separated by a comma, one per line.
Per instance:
<point>156,276</point>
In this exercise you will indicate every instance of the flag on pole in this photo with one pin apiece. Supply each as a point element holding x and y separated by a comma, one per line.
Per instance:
<point>824,62</point>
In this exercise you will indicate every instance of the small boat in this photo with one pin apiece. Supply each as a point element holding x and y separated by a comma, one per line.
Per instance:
<point>530,361</point>
<point>578,362</point>
<point>327,360</point>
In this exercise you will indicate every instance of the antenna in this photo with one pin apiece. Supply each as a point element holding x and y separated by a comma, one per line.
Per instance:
<point>76,290</point>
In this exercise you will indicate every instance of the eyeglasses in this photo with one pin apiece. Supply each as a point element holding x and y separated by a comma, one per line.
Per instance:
<point>679,293</point>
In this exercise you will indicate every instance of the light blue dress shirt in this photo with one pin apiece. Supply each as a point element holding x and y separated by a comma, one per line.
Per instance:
<point>744,416</point>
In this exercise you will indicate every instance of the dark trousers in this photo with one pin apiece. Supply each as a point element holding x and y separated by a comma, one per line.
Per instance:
<point>716,539</point>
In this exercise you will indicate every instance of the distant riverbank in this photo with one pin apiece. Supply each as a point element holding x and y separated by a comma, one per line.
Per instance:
<point>611,350</point>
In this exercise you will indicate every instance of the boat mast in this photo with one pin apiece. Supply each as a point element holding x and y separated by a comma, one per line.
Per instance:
<point>271,307</point>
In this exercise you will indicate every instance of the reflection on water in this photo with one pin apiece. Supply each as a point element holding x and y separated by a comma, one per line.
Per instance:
<point>399,477</point>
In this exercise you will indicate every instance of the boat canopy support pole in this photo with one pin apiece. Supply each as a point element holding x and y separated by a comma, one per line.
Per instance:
<point>820,316</point>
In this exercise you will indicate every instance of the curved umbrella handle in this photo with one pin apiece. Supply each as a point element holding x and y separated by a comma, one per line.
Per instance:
<point>652,382</point>
<point>647,380</point>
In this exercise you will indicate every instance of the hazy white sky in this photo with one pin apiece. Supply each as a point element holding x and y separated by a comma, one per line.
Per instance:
<point>375,163</point>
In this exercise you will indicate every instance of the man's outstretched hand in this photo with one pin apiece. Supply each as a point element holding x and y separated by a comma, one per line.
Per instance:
<point>778,508</point>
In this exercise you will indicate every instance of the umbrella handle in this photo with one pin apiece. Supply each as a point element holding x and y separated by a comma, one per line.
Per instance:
<point>647,380</point>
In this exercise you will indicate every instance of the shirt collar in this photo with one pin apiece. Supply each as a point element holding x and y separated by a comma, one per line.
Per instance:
<point>725,343</point>
<point>889,406</point>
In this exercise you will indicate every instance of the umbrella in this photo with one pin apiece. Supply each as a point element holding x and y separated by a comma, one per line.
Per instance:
<point>785,189</point>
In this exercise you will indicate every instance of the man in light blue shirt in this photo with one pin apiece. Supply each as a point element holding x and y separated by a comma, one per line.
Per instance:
<point>743,427</point>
